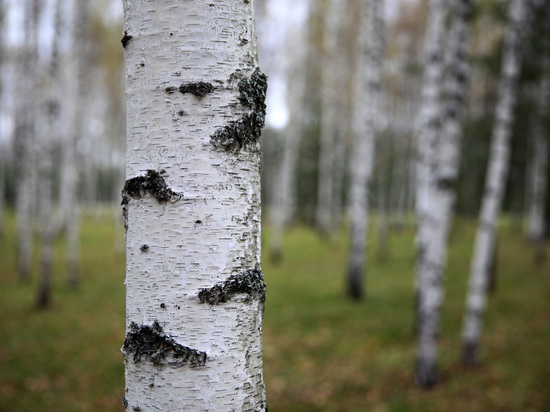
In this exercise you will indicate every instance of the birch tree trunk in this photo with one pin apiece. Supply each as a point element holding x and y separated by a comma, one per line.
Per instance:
<point>494,184</point>
<point>331,102</point>
<point>367,73</point>
<point>25,138</point>
<point>285,184</point>
<point>441,188</point>
<point>3,109</point>
<point>539,168</point>
<point>50,116</point>
<point>195,291</point>
<point>426,132</point>
<point>70,173</point>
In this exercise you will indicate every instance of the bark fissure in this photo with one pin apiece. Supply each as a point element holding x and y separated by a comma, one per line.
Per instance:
<point>250,282</point>
<point>153,344</point>
<point>245,131</point>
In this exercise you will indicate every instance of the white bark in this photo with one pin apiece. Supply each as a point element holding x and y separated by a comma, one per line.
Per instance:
<point>441,190</point>
<point>494,185</point>
<point>284,195</point>
<point>3,109</point>
<point>332,103</point>
<point>77,67</point>
<point>25,135</point>
<point>203,229</point>
<point>49,118</point>
<point>427,130</point>
<point>367,79</point>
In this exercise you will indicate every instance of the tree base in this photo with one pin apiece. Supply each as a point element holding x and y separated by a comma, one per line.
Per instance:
<point>355,283</point>
<point>426,375</point>
<point>470,354</point>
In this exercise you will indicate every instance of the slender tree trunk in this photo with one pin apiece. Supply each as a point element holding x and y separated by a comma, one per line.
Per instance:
<point>367,79</point>
<point>52,121</point>
<point>195,291</point>
<point>3,109</point>
<point>494,184</point>
<point>331,101</point>
<point>25,136</point>
<point>441,191</point>
<point>539,168</point>
<point>70,174</point>
<point>285,186</point>
<point>384,190</point>
<point>427,131</point>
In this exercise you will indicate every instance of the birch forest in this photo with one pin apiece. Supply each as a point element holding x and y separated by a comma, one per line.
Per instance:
<point>311,205</point>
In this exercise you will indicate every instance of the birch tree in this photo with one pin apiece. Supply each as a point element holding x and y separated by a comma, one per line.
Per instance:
<point>76,81</point>
<point>426,132</point>
<point>332,104</point>
<point>484,245</point>
<point>191,201</point>
<point>367,72</point>
<point>285,186</point>
<point>441,192</point>
<point>25,137</point>
<point>539,167</point>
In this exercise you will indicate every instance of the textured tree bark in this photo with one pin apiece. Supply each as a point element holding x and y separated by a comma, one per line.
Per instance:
<point>195,292</point>
<point>427,128</point>
<point>367,73</point>
<point>494,184</point>
<point>442,178</point>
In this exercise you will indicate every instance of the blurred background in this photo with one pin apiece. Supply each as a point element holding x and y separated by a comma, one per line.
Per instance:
<point>62,162</point>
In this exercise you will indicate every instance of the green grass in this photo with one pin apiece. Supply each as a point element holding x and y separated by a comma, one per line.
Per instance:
<point>321,351</point>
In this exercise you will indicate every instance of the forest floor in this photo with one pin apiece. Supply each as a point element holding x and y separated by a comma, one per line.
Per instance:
<point>322,352</point>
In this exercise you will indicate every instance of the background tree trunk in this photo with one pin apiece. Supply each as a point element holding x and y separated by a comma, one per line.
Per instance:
<point>332,102</point>
<point>283,209</point>
<point>539,167</point>
<point>494,184</point>
<point>25,138</point>
<point>367,75</point>
<point>195,291</point>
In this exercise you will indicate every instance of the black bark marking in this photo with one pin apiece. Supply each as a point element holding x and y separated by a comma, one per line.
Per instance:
<point>171,89</point>
<point>446,183</point>
<point>246,130</point>
<point>126,39</point>
<point>144,248</point>
<point>199,89</point>
<point>150,342</point>
<point>125,403</point>
<point>250,282</point>
<point>153,183</point>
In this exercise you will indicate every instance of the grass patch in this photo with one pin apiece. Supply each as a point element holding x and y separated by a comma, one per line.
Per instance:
<point>321,351</point>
